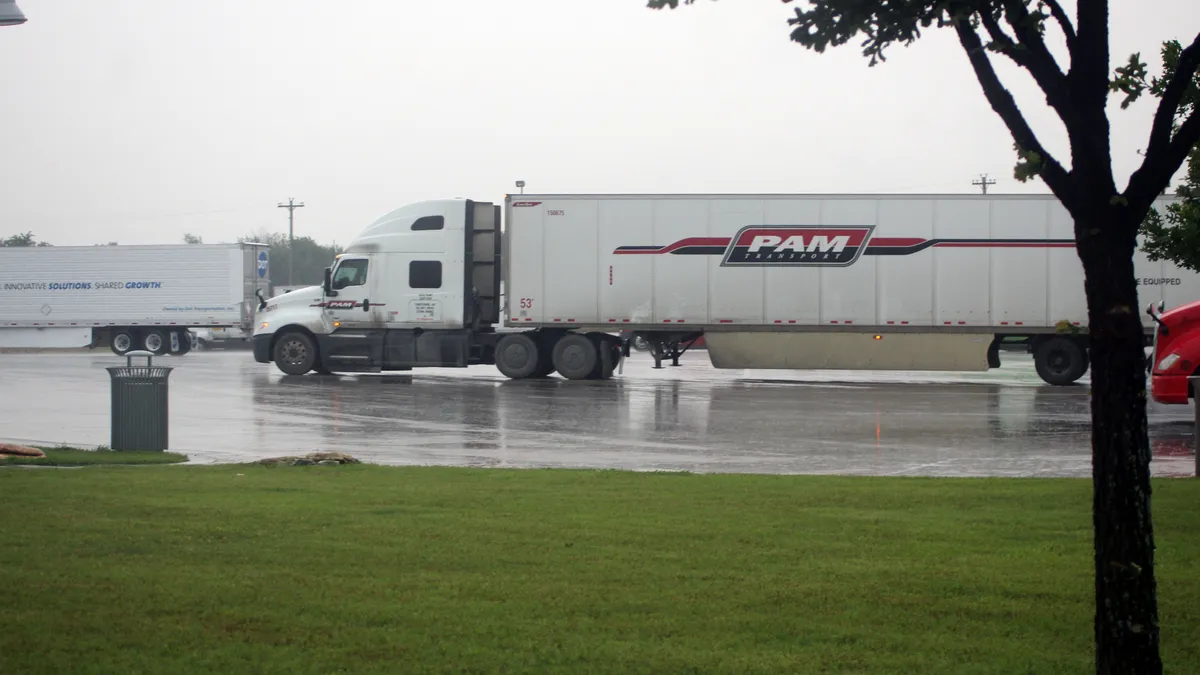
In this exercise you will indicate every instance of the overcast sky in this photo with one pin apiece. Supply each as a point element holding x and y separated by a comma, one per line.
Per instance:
<point>138,120</point>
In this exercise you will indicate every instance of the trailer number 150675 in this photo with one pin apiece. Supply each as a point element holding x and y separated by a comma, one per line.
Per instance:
<point>556,212</point>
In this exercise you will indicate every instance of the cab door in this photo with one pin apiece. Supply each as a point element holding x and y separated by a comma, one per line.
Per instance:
<point>350,307</point>
<point>355,339</point>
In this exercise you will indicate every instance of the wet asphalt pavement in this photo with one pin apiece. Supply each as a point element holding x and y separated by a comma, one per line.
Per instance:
<point>226,408</point>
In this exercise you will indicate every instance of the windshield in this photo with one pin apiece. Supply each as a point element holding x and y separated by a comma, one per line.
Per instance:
<point>350,273</point>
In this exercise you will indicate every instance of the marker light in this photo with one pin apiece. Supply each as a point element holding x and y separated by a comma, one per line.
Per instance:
<point>878,337</point>
<point>263,325</point>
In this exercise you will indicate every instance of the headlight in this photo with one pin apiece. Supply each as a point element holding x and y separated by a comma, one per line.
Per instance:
<point>1168,362</point>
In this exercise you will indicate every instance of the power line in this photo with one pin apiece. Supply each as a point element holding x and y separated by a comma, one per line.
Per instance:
<point>291,206</point>
<point>983,182</point>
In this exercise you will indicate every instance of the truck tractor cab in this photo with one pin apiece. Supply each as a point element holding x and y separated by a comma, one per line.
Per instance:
<point>1176,354</point>
<point>417,287</point>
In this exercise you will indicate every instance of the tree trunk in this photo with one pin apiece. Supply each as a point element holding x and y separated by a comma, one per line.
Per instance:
<point>1126,622</point>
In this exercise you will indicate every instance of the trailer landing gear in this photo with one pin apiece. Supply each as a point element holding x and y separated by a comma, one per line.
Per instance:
<point>668,347</point>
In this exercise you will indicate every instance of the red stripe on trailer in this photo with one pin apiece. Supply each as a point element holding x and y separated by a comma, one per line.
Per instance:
<point>1002,244</point>
<point>678,320</point>
<point>778,320</point>
<point>725,321</point>
<point>791,321</point>
<point>962,323</point>
<point>1020,323</point>
<point>570,320</point>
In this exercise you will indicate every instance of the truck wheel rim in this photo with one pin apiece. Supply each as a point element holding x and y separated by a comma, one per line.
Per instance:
<point>153,342</point>
<point>1057,361</point>
<point>516,356</point>
<point>122,342</point>
<point>574,357</point>
<point>294,352</point>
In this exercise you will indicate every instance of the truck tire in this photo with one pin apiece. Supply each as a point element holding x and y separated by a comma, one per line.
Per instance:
<point>575,356</point>
<point>294,353</point>
<point>517,356</point>
<point>1060,361</point>
<point>123,342</point>
<point>185,342</point>
<point>155,342</point>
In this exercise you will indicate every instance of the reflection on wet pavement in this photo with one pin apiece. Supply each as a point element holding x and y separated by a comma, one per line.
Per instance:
<point>225,407</point>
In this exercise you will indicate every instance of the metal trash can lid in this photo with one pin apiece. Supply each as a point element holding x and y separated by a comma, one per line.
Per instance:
<point>147,371</point>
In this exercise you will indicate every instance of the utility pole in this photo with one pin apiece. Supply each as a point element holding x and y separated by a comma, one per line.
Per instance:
<point>983,182</point>
<point>291,206</point>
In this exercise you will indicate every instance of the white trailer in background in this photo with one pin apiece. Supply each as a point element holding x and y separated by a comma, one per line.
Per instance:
<point>881,282</point>
<point>127,297</point>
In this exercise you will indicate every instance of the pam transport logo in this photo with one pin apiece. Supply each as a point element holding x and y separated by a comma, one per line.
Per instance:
<point>820,246</point>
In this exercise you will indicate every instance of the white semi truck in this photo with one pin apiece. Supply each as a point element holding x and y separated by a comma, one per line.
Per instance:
<point>128,297</point>
<point>884,282</point>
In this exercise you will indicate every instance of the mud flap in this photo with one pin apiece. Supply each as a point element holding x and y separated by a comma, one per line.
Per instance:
<point>605,362</point>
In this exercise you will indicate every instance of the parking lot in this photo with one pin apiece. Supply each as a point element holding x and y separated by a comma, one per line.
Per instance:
<point>226,408</point>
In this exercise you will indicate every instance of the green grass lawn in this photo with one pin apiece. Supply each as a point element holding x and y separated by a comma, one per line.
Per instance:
<point>367,569</point>
<point>63,456</point>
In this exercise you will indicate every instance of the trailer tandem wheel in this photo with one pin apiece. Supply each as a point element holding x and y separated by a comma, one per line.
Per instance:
<point>123,341</point>
<point>1060,360</point>
<point>156,342</point>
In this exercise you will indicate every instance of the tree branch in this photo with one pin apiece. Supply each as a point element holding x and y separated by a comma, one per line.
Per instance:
<point>1005,106</point>
<point>1156,170</point>
<point>1031,55</point>
<point>1164,117</point>
<point>1024,25</point>
<point>1064,22</point>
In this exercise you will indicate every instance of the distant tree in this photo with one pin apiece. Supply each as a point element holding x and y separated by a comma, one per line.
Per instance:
<point>189,238</point>
<point>25,239</point>
<point>1107,222</point>
<point>1176,236</point>
<point>310,261</point>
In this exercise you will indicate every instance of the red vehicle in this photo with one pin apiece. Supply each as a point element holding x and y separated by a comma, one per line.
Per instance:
<point>1176,355</point>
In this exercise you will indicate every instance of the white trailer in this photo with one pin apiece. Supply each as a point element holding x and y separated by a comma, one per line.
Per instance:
<point>127,297</point>
<point>885,282</point>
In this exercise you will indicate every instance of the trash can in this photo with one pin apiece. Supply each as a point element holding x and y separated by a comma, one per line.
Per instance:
<point>139,404</point>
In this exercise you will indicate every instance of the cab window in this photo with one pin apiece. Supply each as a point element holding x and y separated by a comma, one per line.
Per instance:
<point>350,273</point>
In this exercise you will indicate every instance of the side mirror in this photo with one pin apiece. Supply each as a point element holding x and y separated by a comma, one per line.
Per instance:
<point>327,284</point>
<point>1150,310</point>
<point>1161,306</point>
<point>262,302</point>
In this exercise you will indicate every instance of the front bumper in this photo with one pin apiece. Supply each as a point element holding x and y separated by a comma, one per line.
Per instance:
<point>262,347</point>
<point>1169,389</point>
